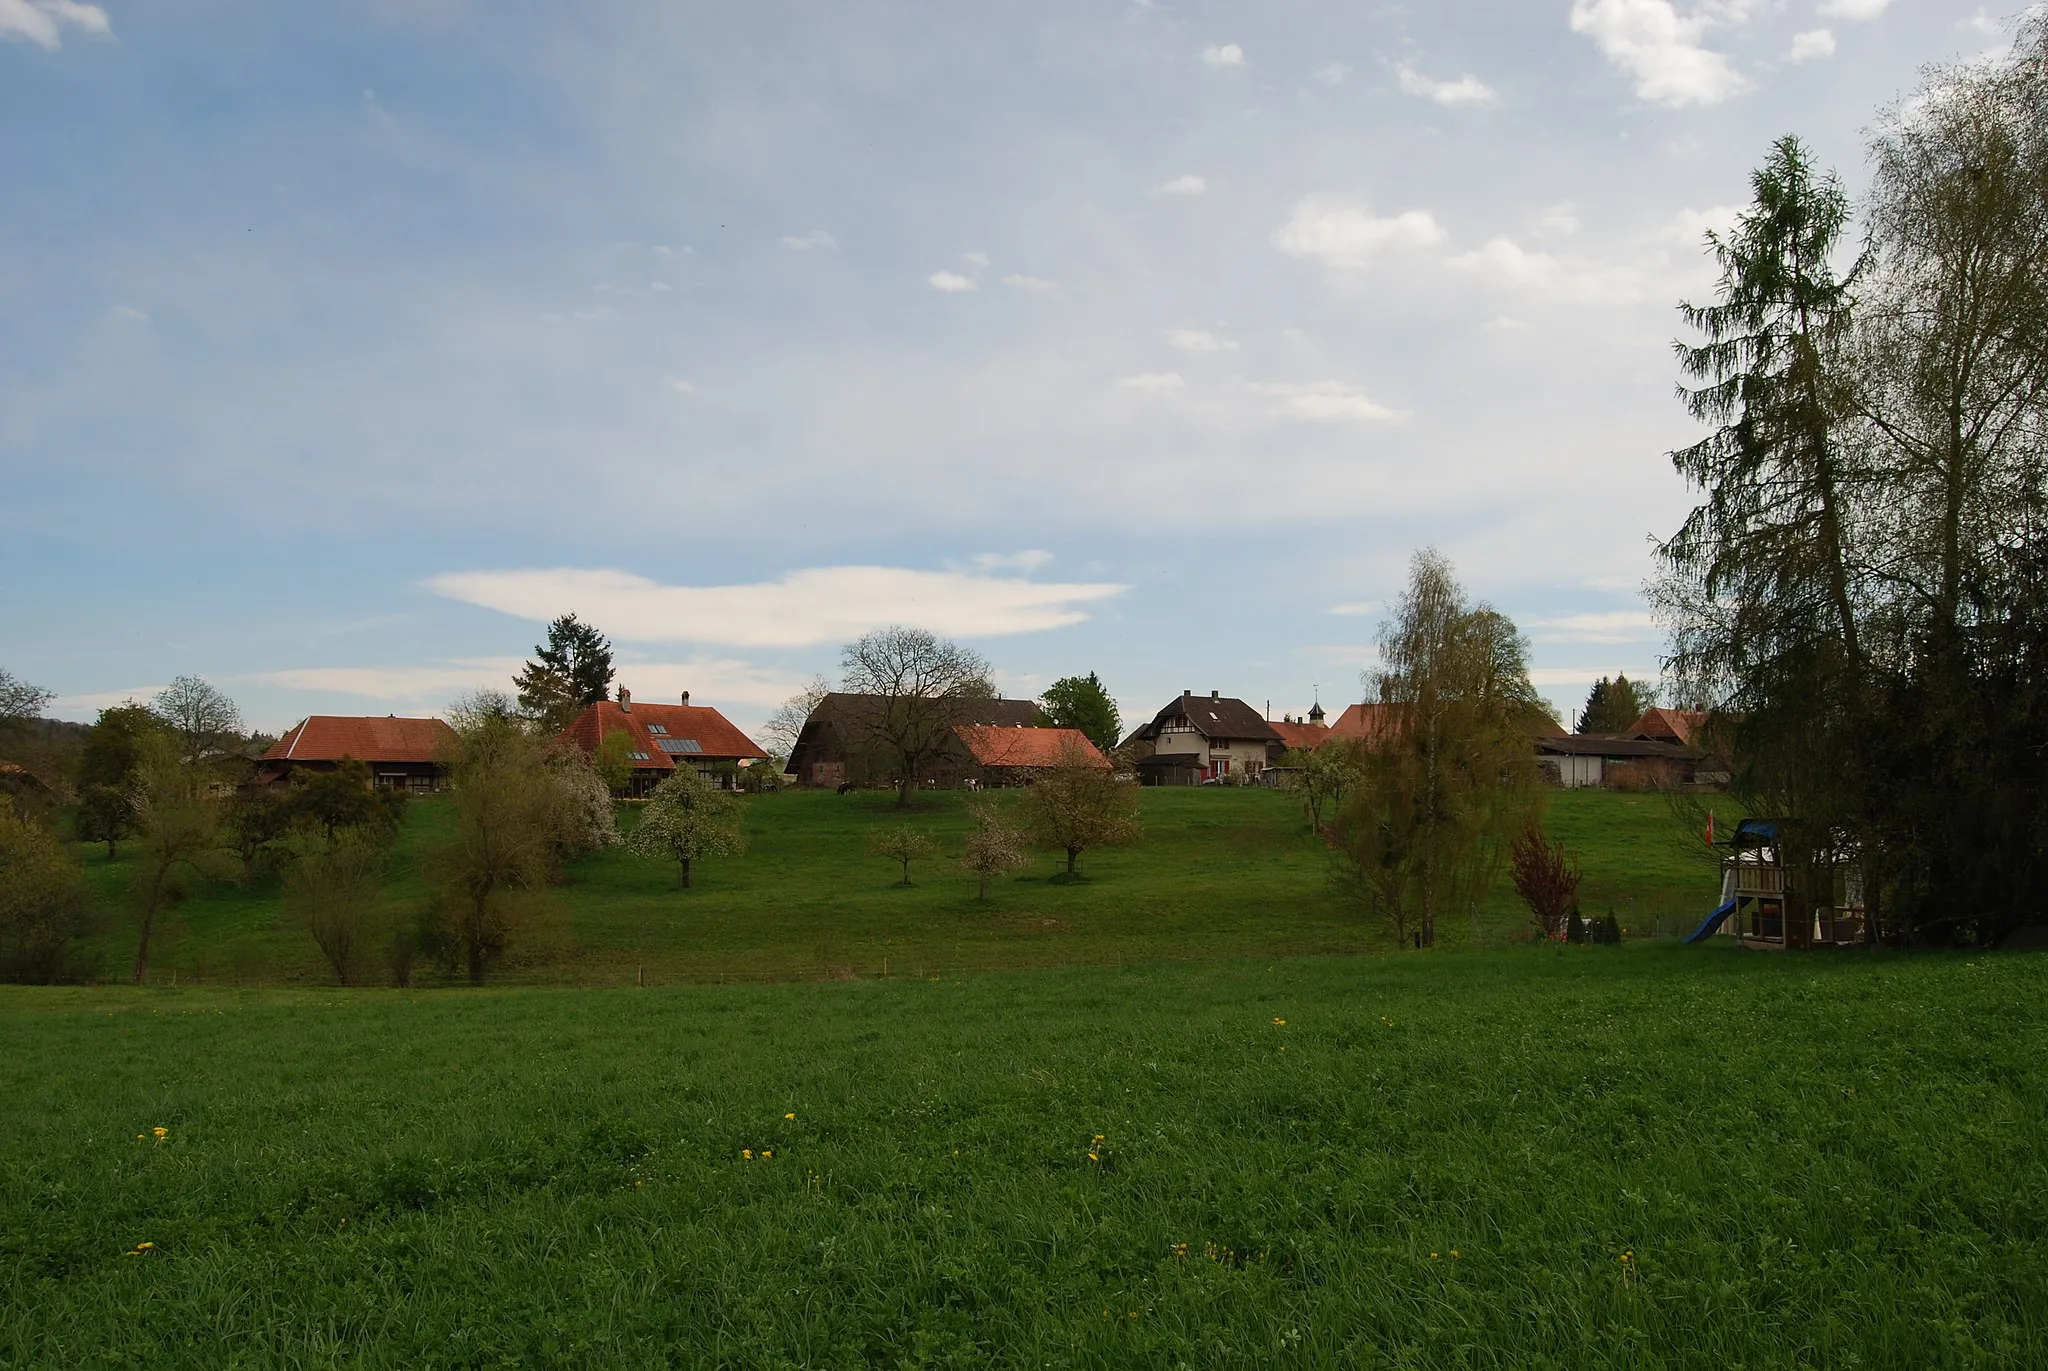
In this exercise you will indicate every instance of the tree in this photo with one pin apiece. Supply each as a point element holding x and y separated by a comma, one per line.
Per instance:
<point>180,838</point>
<point>1546,877</point>
<point>1424,828</point>
<point>506,837</point>
<point>113,749</point>
<point>206,722</point>
<point>251,821</point>
<point>105,815</point>
<point>572,669</point>
<point>1319,776</point>
<point>909,688</point>
<point>20,702</point>
<point>42,901</point>
<point>786,724</point>
<point>333,885</point>
<point>1080,702</point>
<point>1614,706</point>
<point>345,798</point>
<point>1079,805</point>
<point>902,844</point>
<point>994,848</point>
<point>613,761</point>
<point>688,818</point>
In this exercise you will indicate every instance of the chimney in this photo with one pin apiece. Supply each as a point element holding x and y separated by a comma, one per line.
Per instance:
<point>625,700</point>
<point>1215,694</point>
<point>686,697</point>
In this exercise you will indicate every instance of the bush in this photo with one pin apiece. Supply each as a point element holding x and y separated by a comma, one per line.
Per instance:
<point>42,902</point>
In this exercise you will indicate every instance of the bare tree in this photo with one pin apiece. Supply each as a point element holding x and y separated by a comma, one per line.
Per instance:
<point>1081,804</point>
<point>208,725</point>
<point>907,688</point>
<point>786,724</point>
<point>19,701</point>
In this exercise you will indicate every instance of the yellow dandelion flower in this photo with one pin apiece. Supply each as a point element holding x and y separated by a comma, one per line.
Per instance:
<point>144,1246</point>
<point>789,1116</point>
<point>1093,1158</point>
<point>1454,1251</point>
<point>1281,1022</point>
<point>1432,1256</point>
<point>747,1153</point>
<point>767,1154</point>
<point>161,1132</point>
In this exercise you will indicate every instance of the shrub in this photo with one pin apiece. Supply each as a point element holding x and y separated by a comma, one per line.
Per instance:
<point>42,902</point>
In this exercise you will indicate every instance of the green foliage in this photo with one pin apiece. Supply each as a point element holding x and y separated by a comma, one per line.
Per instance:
<point>613,761</point>
<point>1319,777</point>
<point>572,669</point>
<point>1614,706</point>
<point>1532,1159</point>
<point>106,814</point>
<point>1080,702</point>
<point>901,844</point>
<point>113,750</point>
<point>994,848</point>
<point>1080,805</point>
<point>687,818</point>
<point>344,798</point>
<point>42,902</point>
<point>331,888</point>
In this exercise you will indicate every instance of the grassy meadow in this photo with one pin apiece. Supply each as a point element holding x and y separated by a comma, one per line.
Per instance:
<point>1646,1156</point>
<point>1220,873</point>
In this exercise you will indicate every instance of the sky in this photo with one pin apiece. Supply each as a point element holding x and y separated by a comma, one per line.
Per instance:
<point>344,345</point>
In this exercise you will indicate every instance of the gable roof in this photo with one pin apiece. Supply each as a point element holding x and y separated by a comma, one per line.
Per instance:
<point>1001,713</point>
<point>1306,736</point>
<point>1670,725</point>
<point>1369,723</point>
<point>331,737</point>
<point>694,732</point>
<point>994,745</point>
<point>1213,716</point>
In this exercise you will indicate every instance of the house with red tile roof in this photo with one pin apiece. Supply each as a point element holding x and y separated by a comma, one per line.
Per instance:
<point>402,754</point>
<point>1199,739</point>
<point>1010,755</point>
<point>1679,726</point>
<point>665,738</point>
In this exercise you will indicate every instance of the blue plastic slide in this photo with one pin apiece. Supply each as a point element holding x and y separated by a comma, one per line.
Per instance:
<point>1713,921</point>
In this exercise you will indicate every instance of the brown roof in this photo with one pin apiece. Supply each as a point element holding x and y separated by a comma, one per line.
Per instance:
<point>993,745</point>
<point>1309,737</point>
<point>696,732</point>
<point>1611,745</point>
<point>331,737</point>
<point>1669,725</point>
<point>1213,716</point>
<point>969,710</point>
<point>1369,723</point>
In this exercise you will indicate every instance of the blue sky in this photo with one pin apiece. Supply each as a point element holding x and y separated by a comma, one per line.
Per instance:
<point>340,345</point>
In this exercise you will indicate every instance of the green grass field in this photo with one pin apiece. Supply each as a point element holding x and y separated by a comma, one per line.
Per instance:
<point>1220,873</point>
<point>1539,1157</point>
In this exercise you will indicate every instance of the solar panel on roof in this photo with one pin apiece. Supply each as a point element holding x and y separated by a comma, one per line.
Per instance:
<point>675,745</point>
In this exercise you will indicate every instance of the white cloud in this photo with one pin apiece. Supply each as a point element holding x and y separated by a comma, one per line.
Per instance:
<point>1559,221</point>
<point>1227,55</point>
<point>1333,74</point>
<point>1814,43</point>
<point>1027,561</point>
<point>94,701</point>
<point>1199,340</point>
<point>1037,285</point>
<point>131,312</point>
<point>680,386</point>
<point>1466,90</point>
<point>1506,263</point>
<point>1341,231</point>
<point>1688,228</point>
<point>1155,383</point>
<point>1617,626</point>
<point>42,22</point>
<point>1980,22</point>
<point>1184,185</point>
<point>1357,608</point>
<point>712,681</point>
<point>951,281</point>
<point>817,240</point>
<point>1660,48</point>
<point>1853,9</point>
<point>800,609</point>
<point>1505,323</point>
<point>979,259</point>
<point>1326,402</point>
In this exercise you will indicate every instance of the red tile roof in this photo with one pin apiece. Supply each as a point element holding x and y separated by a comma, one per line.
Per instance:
<point>994,745</point>
<point>1670,725</point>
<point>1368,723</point>
<point>716,739</point>
<point>1307,736</point>
<point>331,737</point>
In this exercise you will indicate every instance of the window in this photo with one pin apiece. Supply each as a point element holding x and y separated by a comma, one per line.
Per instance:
<point>661,729</point>
<point>640,757</point>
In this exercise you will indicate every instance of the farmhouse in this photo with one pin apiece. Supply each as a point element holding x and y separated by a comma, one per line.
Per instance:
<point>402,754</point>
<point>1198,739</point>
<point>829,750</point>
<point>665,738</point>
<point>1013,756</point>
<point>1578,760</point>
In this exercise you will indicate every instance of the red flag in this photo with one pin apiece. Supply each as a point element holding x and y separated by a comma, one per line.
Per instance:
<point>1710,828</point>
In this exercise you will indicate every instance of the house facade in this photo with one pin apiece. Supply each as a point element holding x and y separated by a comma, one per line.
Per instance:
<point>830,750</point>
<point>1199,739</point>
<point>402,754</point>
<point>666,738</point>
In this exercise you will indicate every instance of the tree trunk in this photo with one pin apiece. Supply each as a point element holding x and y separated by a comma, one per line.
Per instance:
<point>1073,854</point>
<point>906,872</point>
<point>142,948</point>
<point>683,873</point>
<point>904,787</point>
<point>110,849</point>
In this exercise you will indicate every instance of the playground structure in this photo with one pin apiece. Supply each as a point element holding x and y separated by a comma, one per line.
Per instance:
<point>1770,903</point>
